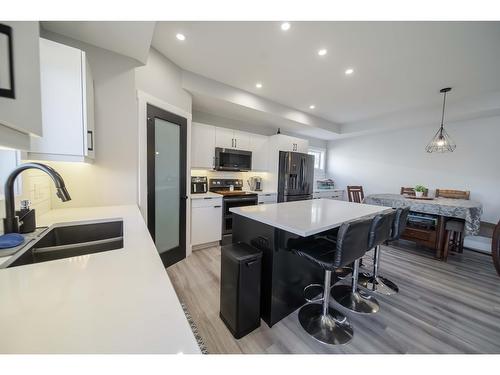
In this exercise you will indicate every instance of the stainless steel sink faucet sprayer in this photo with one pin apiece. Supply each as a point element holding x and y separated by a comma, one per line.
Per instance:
<point>11,221</point>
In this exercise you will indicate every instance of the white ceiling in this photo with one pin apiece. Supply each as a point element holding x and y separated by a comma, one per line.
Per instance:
<point>398,65</point>
<point>132,39</point>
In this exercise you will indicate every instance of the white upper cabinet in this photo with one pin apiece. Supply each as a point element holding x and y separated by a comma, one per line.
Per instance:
<point>67,105</point>
<point>20,110</point>
<point>202,146</point>
<point>286,143</point>
<point>224,138</point>
<point>242,140</point>
<point>259,145</point>
<point>205,138</point>
<point>229,138</point>
<point>301,145</point>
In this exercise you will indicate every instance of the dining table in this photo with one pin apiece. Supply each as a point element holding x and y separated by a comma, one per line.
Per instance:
<point>469,211</point>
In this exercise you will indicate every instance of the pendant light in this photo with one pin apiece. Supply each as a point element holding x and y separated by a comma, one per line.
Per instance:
<point>442,142</point>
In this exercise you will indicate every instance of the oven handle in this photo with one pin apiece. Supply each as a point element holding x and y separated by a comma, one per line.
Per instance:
<point>247,199</point>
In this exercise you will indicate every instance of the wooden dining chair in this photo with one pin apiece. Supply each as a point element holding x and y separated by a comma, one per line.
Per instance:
<point>454,228</point>
<point>495,248</point>
<point>455,194</point>
<point>411,191</point>
<point>355,194</point>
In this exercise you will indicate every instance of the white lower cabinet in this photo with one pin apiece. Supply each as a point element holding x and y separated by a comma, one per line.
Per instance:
<point>206,220</point>
<point>333,194</point>
<point>267,198</point>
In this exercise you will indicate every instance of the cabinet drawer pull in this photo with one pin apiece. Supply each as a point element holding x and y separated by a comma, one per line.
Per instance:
<point>217,206</point>
<point>207,198</point>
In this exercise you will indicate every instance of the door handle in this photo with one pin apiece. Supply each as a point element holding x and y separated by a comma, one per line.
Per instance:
<point>184,197</point>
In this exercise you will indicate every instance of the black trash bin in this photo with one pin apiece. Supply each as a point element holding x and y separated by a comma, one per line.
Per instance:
<point>240,288</point>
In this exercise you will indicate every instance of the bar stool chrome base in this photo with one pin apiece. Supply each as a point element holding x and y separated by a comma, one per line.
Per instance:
<point>355,301</point>
<point>374,282</point>
<point>332,328</point>
<point>379,284</point>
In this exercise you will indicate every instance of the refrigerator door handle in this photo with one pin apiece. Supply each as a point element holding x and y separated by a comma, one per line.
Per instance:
<point>302,174</point>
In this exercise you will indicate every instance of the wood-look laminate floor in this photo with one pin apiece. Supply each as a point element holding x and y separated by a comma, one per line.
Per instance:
<point>451,307</point>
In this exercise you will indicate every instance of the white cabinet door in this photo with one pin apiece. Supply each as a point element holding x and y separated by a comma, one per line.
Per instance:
<point>259,145</point>
<point>224,138</point>
<point>267,198</point>
<point>88,110</point>
<point>206,224</point>
<point>67,105</point>
<point>285,143</point>
<point>202,146</point>
<point>241,140</point>
<point>301,145</point>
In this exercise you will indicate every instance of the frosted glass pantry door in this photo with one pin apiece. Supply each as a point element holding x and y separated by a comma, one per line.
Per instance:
<point>167,185</point>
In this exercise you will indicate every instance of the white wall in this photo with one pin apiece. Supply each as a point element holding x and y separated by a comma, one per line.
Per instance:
<point>384,162</point>
<point>24,112</point>
<point>162,79</point>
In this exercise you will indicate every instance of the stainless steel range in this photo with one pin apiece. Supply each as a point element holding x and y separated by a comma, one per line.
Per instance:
<point>233,196</point>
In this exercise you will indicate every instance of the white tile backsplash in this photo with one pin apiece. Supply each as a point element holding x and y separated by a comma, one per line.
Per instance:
<point>36,188</point>
<point>241,175</point>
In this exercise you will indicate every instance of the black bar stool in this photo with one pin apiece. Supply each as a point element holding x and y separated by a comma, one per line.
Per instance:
<point>322,322</point>
<point>348,295</point>
<point>383,227</point>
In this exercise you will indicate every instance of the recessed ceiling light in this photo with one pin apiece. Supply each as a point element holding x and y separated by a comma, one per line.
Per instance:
<point>349,71</point>
<point>285,26</point>
<point>322,52</point>
<point>258,85</point>
<point>312,106</point>
<point>180,36</point>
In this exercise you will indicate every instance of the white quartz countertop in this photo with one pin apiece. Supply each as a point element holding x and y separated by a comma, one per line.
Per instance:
<point>119,301</point>
<point>215,195</point>
<point>262,192</point>
<point>316,190</point>
<point>308,217</point>
<point>206,195</point>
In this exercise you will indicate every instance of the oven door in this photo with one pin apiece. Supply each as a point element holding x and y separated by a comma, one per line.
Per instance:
<point>232,160</point>
<point>231,202</point>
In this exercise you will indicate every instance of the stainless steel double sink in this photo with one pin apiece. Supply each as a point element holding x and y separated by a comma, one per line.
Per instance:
<point>71,240</point>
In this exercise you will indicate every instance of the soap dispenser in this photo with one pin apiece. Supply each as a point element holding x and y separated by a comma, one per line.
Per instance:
<point>27,221</point>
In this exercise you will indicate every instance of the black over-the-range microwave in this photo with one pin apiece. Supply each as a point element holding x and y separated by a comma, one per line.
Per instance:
<point>228,159</point>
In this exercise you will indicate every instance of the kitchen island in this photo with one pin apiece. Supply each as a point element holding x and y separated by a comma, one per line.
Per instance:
<point>270,227</point>
<point>118,301</point>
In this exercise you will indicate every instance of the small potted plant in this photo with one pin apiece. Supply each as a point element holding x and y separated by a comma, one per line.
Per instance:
<point>420,190</point>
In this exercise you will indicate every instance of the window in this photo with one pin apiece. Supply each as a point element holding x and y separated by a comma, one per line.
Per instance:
<point>319,157</point>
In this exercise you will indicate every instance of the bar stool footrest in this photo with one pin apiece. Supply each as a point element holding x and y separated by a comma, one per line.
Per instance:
<point>315,298</point>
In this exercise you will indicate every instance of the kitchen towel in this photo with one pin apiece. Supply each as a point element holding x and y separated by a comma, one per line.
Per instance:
<point>10,240</point>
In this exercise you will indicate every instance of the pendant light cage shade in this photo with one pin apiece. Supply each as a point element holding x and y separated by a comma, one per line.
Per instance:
<point>441,142</point>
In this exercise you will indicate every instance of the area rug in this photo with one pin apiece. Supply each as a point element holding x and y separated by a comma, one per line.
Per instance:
<point>197,336</point>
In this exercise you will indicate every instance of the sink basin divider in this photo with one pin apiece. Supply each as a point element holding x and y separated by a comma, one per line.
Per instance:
<point>74,245</point>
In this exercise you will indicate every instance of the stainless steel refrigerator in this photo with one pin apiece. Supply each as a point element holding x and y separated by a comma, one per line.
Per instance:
<point>295,176</point>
